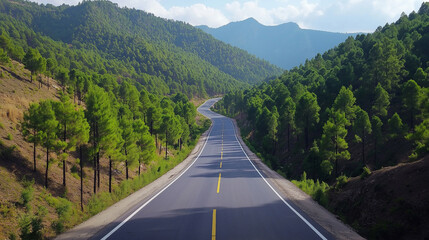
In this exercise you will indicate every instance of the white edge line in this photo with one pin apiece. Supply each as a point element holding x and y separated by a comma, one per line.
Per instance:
<point>150,200</point>
<point>284,201</point>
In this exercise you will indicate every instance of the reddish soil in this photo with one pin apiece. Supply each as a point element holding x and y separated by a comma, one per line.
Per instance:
<point>16,94</point>
<point>392,203</point>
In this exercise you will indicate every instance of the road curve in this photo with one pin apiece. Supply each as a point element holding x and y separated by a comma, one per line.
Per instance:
<point>221,195</point>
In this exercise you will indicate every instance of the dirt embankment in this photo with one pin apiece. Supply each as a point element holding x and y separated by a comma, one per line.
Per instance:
<point>391,203</point>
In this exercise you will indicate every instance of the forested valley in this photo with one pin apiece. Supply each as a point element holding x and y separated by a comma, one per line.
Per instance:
<point>357,108</point>
<point>97,102</point>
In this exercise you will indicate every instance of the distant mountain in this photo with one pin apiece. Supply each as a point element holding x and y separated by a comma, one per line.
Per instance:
<point>285,45</point>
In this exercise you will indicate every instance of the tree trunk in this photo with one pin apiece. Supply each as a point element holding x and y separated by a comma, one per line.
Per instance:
<point>139,167</point>
<point>95,174</point>
<point>95,158</point>
<point>64,160</point>
<point>306,134</point>
<point>288,137</point>
<point>110,174</point>
<point>166,144</point>
<point>126,168</point>
<point>336,153</point>
<point>98,169</point>
<point>81,177</point>
<point>375,152</point>
<point>34,157</point>
<point>98,160</point>
<point>47,168</point>
<point>274,147</point>
<point>126,164</point>
<point>363,148</point>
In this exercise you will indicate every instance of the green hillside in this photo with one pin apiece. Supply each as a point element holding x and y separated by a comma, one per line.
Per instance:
<point>98,37</point>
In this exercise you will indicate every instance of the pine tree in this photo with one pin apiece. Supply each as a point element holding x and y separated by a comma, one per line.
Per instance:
<point>411,94</point>
<point>273,128</point>
<point>32,61</point>
<point>74,129</point>
<point>287,118</point>
<point>144,141</point>
<point>31,128</point>
<point>103,127</point>
<point>377,124</point>
<point>307,114</point>
<point>381,103</point>
<point>396,128</point>
<point>345,103</point>
<point>130,149</point>
<point>362,127</point>
<point>49,128</point>
<point>4,59</point>
<point>333,139</point>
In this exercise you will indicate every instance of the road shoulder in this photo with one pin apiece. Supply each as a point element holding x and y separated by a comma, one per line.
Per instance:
<point>290,192</point>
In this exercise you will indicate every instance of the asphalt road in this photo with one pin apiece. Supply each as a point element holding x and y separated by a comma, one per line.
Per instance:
<point>220,196</point>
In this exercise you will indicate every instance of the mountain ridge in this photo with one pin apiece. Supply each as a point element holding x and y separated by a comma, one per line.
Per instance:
<point>286,45</point>
<point>165,56</point>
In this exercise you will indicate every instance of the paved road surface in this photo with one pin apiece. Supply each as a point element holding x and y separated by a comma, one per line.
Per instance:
<point>221,196</point>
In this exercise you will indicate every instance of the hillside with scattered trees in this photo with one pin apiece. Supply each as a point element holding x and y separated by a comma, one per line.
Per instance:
<point>357,108</point>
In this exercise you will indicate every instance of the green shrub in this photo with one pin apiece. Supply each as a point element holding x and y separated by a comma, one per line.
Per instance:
<point>4,210</point>
<point>1,126</point>
<point>27,193</point>
<point>31,227</point>
<point>12,236</point>
<point>9,137</point>
<point>341,181</point>
<point>63,208</point>
<point>365,172</point>
<point>58,226</point>
<point>317,190</point>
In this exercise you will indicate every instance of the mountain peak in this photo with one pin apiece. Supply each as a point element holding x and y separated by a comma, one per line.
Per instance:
<point>251,20</point>
<point>273,43</point>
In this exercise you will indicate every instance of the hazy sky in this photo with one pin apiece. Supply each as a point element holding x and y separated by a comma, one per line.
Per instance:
<point>329,15</point>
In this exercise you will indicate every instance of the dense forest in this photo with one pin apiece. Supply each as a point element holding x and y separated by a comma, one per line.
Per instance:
<point>358,106</point>
<point>107,42</point>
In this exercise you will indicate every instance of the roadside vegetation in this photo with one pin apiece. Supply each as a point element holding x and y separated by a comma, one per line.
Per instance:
<point>353,110</point>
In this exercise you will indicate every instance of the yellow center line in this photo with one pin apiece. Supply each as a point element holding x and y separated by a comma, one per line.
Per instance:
<point>214,225</point>
<point>218,184</point>
<point>220,164</point>
<point>221,155</point>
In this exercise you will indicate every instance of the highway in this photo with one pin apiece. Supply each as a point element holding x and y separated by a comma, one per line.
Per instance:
<point>220,196</point>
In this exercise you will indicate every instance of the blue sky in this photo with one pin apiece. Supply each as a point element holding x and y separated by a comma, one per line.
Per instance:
<point>328,15</point>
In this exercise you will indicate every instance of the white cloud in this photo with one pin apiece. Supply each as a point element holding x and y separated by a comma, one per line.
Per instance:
<point>283,12</point>
<point>390,8</point>
<point>198,14</point>
<point>330,15</point>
